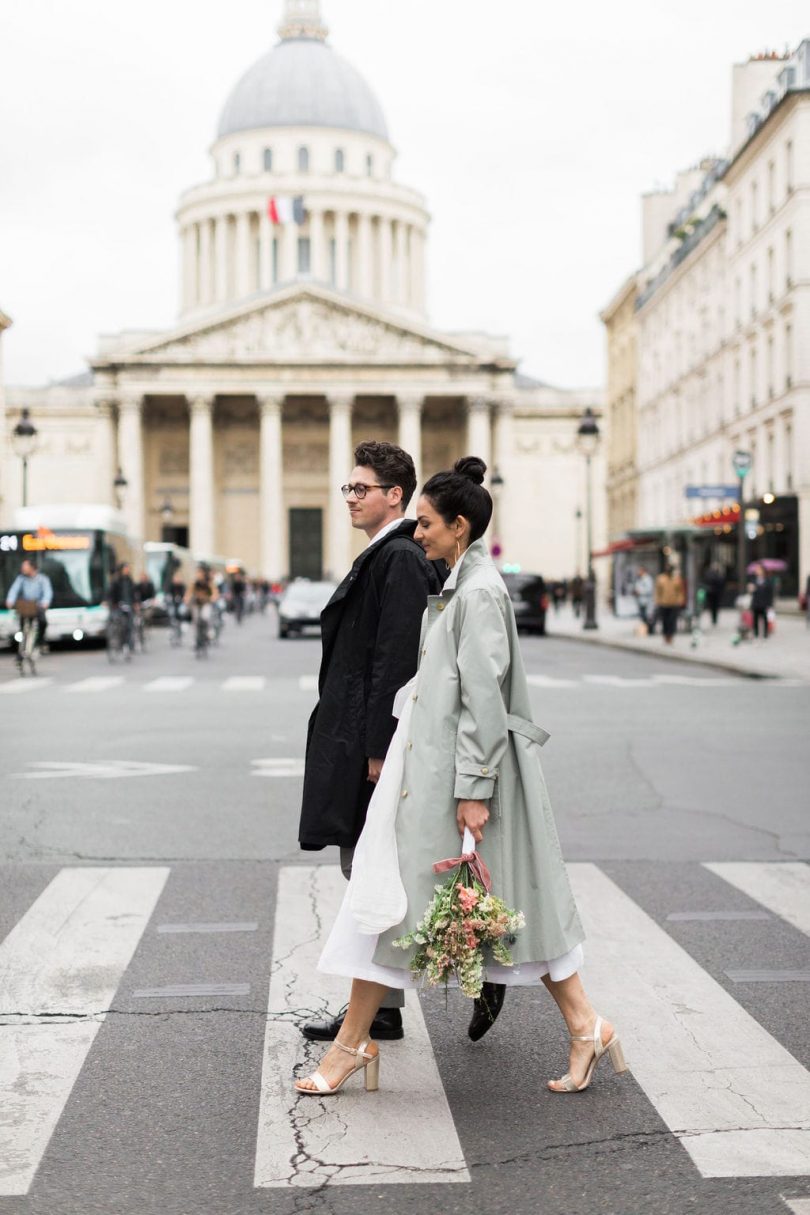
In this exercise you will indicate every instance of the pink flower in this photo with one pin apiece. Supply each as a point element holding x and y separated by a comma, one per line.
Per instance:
<point>467,897</point>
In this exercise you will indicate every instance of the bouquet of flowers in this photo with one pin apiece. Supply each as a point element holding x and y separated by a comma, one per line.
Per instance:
<point>462,920</point>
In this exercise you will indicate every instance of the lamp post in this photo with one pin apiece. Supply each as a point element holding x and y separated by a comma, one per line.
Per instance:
<point>166,513</point>
<point>588,442</point>
<point>496,483</point>
<point>742,461</point>
<point>24,439</point>
<point>120,485</point>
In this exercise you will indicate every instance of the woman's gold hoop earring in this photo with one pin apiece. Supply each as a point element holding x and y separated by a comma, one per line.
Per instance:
<point>458,550</point>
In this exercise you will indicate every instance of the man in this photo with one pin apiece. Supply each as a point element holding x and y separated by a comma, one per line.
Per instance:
<point>370,632</point>
<point>200,596</point>
<point>122,597</point>
<point>30,586</point>
<point>761,601</point>
<point>715,583</point>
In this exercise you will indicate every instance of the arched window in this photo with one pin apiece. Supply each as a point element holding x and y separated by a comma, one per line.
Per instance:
<point>268,160</point>
<point>340,160</point>
<point>237,162</point>
<point>370,165</point>
<point>303,160</point>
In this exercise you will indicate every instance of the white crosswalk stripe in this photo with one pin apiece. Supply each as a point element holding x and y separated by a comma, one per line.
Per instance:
<point>734,1097</point>
<point>19,687</point>
<point>97,683</point>
<point>169,683</point>
<point>65,959</point>
<point>781,886</point>
<point>245,683</point>
<point>416,1140</point>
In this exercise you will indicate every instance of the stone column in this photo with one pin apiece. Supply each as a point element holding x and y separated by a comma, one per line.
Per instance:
<point>341,462</point>
<point>400,291</point>
<point>417,270</point>
<point>479,433</point>
<point>341,251</point>
<point>365,261</point>
<point>187,268</point>
<point>410,433</point>
<point>271,488</point>
<point>504,447</point>
<point>130,460</point>
<point>244,284</point>
<point>317,246</point>
<point>201,480</point>
<point>108,452</point>
<point>289,253</point>
<point>385,252</point>
<point>221,259</point>
<point>205,293</point>
<point>265,252</point>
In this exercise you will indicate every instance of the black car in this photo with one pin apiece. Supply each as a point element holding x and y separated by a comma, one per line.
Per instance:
<point>529,600</point>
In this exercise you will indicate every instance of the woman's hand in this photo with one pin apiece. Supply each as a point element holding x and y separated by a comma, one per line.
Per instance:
<point>474,815</point>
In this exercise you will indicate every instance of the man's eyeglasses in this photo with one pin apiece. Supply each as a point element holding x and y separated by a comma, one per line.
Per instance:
<point>360,490</point>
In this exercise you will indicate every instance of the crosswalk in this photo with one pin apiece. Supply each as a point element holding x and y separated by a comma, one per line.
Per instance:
<point>175,684</point>
<point>730,1095</point>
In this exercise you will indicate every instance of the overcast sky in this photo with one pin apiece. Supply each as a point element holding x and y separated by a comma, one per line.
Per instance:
<point>532,128</point>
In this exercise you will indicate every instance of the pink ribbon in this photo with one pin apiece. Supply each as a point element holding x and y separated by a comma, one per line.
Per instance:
<point>474,860</point>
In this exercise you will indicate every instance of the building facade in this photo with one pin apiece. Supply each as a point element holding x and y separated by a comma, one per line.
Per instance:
<point>303,329</point>
<point>619,319</point>
<point>722,319</point>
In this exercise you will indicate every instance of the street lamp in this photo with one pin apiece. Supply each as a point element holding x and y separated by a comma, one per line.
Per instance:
<point>24,439</point>
<point>496,483</point>
<point>742,461</point>
<point>588,442</point>
<point>120,485</point>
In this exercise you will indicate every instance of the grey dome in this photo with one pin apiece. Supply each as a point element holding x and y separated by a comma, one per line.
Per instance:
<point>302,82</point>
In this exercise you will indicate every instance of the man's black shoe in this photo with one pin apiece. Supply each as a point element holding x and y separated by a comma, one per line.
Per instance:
<point>486,1009</point>
<point>386,1027</point>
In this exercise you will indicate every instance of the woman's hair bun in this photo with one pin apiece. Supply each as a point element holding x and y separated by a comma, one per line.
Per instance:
<point>472,468</point>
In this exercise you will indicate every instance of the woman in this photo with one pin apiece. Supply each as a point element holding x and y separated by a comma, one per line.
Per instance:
<point>465,755</point>
<point>670,597</point>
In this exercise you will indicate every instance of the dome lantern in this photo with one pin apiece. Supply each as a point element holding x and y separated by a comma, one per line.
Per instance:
<point>302,19</point>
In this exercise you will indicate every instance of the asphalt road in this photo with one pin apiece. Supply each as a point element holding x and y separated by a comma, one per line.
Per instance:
<point>187,773</point>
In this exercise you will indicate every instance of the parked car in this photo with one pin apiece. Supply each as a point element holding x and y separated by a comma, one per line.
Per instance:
<point>301,605</point>
<point>529,600</point>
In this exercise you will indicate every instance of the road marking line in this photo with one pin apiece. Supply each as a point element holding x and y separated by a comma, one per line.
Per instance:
<point>97,683</point>
<point>768,976</point>
<point>182,990</point>
<point>799,1206</point>
<point>308,683</point>
<point>110,769</point>
<point>404,1135</point>
<point>169,683</point>
<point>17,687</point>
<point>735,1098</point>
<point>697,681</point>
<point>246,926</point>
<point>278,767</point>
<point>679,917</point>
<point>66,956</point>
<point>550,681</point>
<point>781,886</point>
<point>245,683</point>
<point>619,681</point>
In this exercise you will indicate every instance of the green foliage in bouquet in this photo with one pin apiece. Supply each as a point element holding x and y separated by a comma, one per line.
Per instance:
<point>462,920</point>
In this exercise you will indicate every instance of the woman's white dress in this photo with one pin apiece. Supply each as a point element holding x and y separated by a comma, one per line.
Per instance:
<point>375,898</point>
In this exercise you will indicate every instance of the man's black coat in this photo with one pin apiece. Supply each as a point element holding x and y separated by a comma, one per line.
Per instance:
<point>370,630</point>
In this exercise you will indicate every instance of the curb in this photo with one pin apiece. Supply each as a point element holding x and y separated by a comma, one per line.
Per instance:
<point>672,656</point>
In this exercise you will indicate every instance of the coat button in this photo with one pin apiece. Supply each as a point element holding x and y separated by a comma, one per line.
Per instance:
<point>410,746</point>
<point>424,651</point>
<point>404,792</point>
<point>439,607</point>
<point>485,771</point>
<point>414,697</point>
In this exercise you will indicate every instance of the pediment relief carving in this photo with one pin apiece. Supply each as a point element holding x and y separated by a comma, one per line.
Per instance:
<point>305,330</point>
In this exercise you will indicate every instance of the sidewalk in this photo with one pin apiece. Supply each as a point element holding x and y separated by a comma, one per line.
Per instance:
<point>785,655</point>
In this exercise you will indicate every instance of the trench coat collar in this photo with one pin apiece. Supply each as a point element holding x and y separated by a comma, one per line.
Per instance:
<point>472,559</point>
<point>406,528</point>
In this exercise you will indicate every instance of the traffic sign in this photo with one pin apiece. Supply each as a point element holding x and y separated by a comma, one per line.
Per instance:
<point>711,491</point>
<point>742,461</point>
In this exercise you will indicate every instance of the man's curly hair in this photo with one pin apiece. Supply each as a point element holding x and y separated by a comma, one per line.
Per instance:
<point>390,465</point>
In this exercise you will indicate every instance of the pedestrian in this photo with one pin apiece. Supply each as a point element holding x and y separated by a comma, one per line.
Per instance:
<point>577,588</point>
<point>644,591</point>
<point>31,593</point>
<point>761,601</point>
<point>465,743</point>
<point>670,597</point>
<point>370,636</point>
<point>714,581</point>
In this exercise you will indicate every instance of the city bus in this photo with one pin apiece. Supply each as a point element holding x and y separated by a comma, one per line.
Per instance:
<point>79,549</point>
<point>163,560</point>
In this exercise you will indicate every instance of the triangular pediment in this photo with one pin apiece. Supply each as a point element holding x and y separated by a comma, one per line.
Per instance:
<point>303,325</point>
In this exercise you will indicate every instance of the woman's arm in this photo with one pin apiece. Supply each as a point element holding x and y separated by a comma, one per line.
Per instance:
<point>483,661</point>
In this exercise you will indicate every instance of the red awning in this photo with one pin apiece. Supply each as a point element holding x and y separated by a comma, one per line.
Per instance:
<point>622,546</point>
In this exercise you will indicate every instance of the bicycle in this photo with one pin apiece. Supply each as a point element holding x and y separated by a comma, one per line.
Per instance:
<point>120,635</point>
<point>175,627</point>
<point>202,638</point>
<point>27,651</point>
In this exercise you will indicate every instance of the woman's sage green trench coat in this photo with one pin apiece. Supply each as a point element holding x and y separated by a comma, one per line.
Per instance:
<point>471,736</point>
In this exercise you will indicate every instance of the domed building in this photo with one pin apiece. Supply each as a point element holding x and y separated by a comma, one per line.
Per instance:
<point>303,329</point>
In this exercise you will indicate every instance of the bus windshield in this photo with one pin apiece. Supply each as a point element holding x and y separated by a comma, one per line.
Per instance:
<point>73,561</point>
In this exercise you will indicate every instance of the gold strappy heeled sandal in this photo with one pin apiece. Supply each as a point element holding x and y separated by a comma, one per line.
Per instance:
<point>612,1048</point>
<point>363,1062</point>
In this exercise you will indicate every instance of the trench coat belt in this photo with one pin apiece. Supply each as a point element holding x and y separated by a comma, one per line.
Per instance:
<point>526,728</point>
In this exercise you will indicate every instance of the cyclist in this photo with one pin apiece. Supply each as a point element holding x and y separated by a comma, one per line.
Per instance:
<point>31,593</point>
<point>201,595</point>
<point>238,591</point>
<point>175,606</point>
<point>122,597</point>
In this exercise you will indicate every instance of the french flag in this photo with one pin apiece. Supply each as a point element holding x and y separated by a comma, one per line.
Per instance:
<point>286,210</point>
